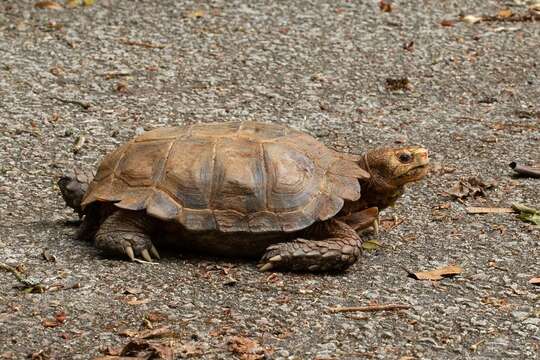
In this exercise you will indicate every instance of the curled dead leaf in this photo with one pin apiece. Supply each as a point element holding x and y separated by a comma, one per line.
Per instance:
<point>535,280</point>
<point>505,13</point>
<point>437,274</point>
<point>447,23</point>
<point>247,349</point>
<point>385,6</point>
<point>471,187</point>
<point>163,331</point>
<point>471,19</point>
<point>48,5</point>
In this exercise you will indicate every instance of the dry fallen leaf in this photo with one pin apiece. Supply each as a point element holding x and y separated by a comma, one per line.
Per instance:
<point>398,84</point>
<point>140,349</point>
<point>437,274</point>
<point>504,13</point>
<point>471,187</point>
<point>447,23</point>
<point>247,349</point>
<point>196,14</point>
<point>385,6</point>
<point>535,281</point>
<point>49,323</point>
<point>163,331</point>
<point>48,5</point>
<point>471,19</point>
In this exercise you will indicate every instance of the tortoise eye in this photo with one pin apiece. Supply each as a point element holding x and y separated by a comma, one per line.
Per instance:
<point>405,157</point>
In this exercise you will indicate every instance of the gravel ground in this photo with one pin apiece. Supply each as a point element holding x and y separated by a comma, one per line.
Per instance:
<point>321,66</point>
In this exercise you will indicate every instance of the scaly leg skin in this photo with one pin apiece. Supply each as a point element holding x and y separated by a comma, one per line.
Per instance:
<point>339,248</point>
<point>362,219</point>
<point>126,232</point>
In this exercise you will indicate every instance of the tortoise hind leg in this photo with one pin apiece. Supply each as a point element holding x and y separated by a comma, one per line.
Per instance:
<point>338,248</point>
<point>127,232</point>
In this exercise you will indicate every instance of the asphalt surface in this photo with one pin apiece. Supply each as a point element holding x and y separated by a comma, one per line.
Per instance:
<point>102,73</point>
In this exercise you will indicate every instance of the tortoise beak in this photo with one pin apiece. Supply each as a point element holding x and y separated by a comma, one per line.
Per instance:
<point>422,157</point>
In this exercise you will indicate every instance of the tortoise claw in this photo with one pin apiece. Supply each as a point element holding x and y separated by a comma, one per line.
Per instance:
<point>146,255</point>
<point>276,258</point>
<point>376,226</point>
<point>266,267</point>
<point>154,252</point>
<point>130,253</point>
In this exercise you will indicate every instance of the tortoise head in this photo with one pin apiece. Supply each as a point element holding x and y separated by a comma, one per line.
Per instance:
<point>390,170</point>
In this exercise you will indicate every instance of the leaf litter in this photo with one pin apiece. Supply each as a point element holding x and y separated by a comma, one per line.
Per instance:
<point>436,274</point>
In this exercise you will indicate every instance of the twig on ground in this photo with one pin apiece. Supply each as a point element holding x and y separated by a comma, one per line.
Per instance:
<point>488,210</point>
<point>525,170</point>
<point>369,308</point>
<point>83,104</point>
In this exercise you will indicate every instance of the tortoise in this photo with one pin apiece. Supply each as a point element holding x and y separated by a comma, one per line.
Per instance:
<point>242,189</point>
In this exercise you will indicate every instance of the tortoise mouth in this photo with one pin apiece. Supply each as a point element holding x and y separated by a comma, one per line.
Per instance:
<point>416,172</point>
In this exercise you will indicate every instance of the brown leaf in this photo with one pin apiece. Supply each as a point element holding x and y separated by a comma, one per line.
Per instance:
<point>48,5</point>
<point>132,300</point>
<point>437,274</point>
<point>385,6</point>
<point>398,84</point>
<point>189,350</point>
<point>155,316</point>
<point>535,281</point>
<point>504,13</point>
<point>49,323</point>
<point>196,14</point>
<point>142,349</point>
<point>471,187</point>
<point>60,317</point>
<point>163,331</point>
<point>447,23</point>
<point>47,255</point>
<point>247,349</point>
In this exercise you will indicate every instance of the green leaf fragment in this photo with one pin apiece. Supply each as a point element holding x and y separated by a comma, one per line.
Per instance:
<point>371,245</point>
<point>527,213</point>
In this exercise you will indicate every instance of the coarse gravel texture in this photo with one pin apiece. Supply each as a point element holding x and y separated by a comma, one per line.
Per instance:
<point>320,66</point>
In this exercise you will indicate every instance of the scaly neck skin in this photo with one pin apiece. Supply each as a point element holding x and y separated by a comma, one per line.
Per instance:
<point>376,192</point>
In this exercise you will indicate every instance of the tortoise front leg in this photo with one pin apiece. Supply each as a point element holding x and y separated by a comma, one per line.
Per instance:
<point>361,220</point>
<point>338,248</point>
<point>127,233</point>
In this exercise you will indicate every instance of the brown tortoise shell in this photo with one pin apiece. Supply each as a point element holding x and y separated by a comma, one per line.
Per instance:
<point>229,177</point>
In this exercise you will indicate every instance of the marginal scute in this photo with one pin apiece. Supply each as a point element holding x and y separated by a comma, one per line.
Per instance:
<point>162,206</point>
<point>345,187</point>
<point>134,199</point>
<point>197,220</point>
<point>231,221</point>
<point>330,206</point>
<point>264,221</point>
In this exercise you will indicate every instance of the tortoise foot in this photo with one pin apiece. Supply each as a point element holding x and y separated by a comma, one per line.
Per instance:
<point>125,233</point>
<point>311,255</point>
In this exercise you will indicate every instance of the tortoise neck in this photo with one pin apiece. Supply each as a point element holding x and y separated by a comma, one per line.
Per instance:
<point>376,191</point>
